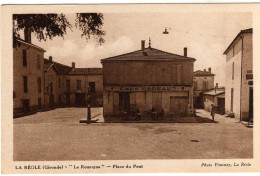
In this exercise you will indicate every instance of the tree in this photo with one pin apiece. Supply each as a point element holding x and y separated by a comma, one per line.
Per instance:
<point>51,25</point>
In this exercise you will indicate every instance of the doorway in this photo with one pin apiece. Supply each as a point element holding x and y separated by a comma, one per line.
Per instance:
<point>51,100</point>
<point>251,102</point>
<point>179,106</point>
<point>26,105</point>
<point>124,101</point>
<point>80,99</point>
<point>232,99</point>
<point>221,106</point>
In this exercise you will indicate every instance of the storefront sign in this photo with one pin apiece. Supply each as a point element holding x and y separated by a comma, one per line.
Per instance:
<point>145,88</point>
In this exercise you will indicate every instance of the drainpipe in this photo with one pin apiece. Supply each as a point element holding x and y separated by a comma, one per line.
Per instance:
<point>242,52</point>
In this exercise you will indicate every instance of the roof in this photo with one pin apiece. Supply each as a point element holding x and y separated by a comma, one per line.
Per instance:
<point>67,70</point>
<point>147,54</point>
<point>30,44</point>
<point>86,71</point>
<point>250,30</point>
<point>60,68</point>
<point>202,73</point>
<point>214,93</point>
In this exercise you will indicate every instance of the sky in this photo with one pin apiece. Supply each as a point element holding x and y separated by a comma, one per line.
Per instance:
<point>206,35</point>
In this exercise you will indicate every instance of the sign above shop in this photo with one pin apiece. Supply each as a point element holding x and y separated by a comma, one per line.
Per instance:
<point>145,88</point>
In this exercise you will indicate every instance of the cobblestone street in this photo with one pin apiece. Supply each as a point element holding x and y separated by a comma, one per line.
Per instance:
<point>58,135</point>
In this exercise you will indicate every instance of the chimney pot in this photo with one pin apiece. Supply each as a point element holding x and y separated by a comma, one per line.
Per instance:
<point>185,51</point>
<point>209,69</point>
<point>142,44</point>
<point>50,58</point>
<point>216,85</point>
<point>73,64</point>
<point>204,70</point>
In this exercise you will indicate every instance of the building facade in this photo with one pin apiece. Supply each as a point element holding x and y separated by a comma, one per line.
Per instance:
<point>203,81</point>
<point>148,79</point>
<point>28,77</point>
<point>239,76</point>
<point>72,86</point>
<point>215,97</point>
<point>42,84</point>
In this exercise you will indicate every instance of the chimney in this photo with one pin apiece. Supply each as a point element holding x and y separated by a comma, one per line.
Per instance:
<point>50,58</point>
<point>204,70</point>
<point>216,87</point>
<point>73,64</point>
<point>209,69</point>
<point>185,51</point>
<point>27,35</point>
<point>142,44</point>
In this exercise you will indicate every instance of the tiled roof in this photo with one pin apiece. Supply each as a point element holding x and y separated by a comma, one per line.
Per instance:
<point>202,73</point>
<point>47,66</point>
<point>61,69</point>
<point>86,71</point>
<point>148,54</point>
<point>241,32</point>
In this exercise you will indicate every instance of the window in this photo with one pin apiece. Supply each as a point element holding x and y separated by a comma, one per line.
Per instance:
<point>233,67</point>
<point>68,85</point>
<point>25,84</point>
<point>24,58</point>
<point>78,84</point>
<point>59,83</point>
<point>38,61</point>
<point>195,85</point>
<point>205,86</point>
<point>39,85</point>
<point>92,87</point>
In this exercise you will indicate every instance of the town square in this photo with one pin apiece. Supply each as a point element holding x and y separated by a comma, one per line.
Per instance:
<point>88,86</point>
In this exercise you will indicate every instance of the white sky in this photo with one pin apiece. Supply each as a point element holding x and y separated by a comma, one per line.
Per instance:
<point>206,35</point>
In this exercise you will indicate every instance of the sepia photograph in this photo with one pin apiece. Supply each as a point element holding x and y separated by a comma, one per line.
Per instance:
<point>148,85</point>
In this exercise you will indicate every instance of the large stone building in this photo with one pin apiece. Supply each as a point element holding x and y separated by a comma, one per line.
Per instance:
<point>27,77</point>
<point>239,76</point>
<point>203,81</point>
<point>148,79</point>
<point>42,84</point>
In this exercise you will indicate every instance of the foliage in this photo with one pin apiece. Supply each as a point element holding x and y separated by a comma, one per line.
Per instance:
<point>51,25</point>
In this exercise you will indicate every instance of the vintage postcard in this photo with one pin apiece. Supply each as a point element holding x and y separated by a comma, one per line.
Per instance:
<point>136,88</point>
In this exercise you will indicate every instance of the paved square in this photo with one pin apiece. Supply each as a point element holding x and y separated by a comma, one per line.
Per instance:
<point>58,135</point>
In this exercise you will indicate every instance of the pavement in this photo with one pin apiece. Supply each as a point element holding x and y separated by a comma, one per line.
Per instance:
<point>58,135</point>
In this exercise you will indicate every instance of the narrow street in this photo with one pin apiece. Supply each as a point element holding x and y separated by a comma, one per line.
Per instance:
<point>58,135</point>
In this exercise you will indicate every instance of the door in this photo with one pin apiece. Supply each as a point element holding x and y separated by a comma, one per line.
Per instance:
<point>221,106</point>
<point>26,105</point>
<point>39,103</point>
<point>157,101</point>
<point>51,100</point>
<point>251,105</point>
<point>179,106</point>
<point>80,99</point>
<point>67,99</point>
<point>124,101</point>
